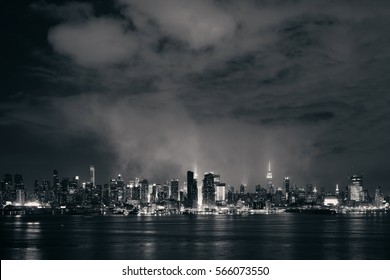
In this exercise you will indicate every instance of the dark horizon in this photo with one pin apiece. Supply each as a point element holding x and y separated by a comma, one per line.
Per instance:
<point>154,88</point>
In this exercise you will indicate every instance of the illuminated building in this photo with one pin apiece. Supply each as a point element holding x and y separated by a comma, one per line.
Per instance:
<point>220,192</point>
<point>144,191</point>
<point>355,188</point>
<point>112,191</point>
<point>39,194</point>
<point>19,190</point>
<point>331,201</point>
<point>136,190</point>
<point>163,193</point>
<point>175,189</point>
<point>20,197</point>
<point>73,188</point>
<point>192,190</point>
<point>209,189</point>
<point>270,187</point>
<point>63,195</point>
<point>286,183</point>
<point>231,195</point>
<point>242,189</point>
<point>154,194</point>
<point>379,197</point>
<point>120,186</point>
<point>278,199</point>
<point>55,191</point>
<point>46,190</point>
<point>7,189</point>
<point>92,174</point>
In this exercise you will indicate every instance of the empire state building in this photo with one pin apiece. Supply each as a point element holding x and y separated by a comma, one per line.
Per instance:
<point>270,188</point>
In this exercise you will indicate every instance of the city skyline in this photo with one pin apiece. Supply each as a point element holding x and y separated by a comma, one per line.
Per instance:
<point>211,196</point>
<point>184,183</point>
<point>134,87</point>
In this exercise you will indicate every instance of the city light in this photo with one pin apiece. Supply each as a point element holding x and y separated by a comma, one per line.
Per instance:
<point>207,195</point>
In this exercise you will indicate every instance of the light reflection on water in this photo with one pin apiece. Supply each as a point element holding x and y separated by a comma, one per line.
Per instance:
<point>285,236</point>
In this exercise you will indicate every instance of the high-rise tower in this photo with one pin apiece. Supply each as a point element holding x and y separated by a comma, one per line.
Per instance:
<point>270,187</point>
<point>175,190</point>
<point>92,174</point>
<point>192,189</point>
<point>209,188</point>
<point>286,183</point>
<point>355,188</point>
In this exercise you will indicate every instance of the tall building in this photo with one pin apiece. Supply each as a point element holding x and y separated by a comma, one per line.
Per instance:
<point>47,191</point>
<point>18,182</point>
<point>120,186</point>
<point>242,189</point>
<point>92,174</point>
<point>112,191</point>
<point>231,199</point>
<point>355,188</point>
<point>270,187</point>
<point>379,197</point>
<point>154,194</point>
<point>192,190</point>
<point>144,191</point>
<point>64,191</point>
<point>55,191</point>
<point>7,189</point>
<point>20,191</point>
<point>220,192</point>
<point>209,189</point>
<point>38,191</point>
<point>286,184</point>
<point>136,193</point>
<point>175,189</point>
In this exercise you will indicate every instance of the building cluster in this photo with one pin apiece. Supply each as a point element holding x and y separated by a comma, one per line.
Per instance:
<point>209,193</point>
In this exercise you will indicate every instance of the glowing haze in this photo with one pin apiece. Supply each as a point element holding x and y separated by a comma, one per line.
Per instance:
<point>151,88</point>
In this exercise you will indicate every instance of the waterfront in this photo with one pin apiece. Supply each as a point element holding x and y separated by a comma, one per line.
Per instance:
<point>282,236</point>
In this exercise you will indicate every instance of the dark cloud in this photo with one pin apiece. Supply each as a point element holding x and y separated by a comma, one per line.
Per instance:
<point>159,86</point>
<point>316,117</point>
<point>72,11</point>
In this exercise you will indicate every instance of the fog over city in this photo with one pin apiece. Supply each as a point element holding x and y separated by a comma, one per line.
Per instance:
<point>151,89</point>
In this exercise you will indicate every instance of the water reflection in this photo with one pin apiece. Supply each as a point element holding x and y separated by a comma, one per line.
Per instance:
<point>286,236</point>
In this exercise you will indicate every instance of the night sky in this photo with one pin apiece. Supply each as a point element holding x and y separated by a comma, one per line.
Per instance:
<point>152,89</point>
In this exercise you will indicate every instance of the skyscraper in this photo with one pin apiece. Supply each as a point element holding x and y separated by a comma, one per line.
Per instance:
<point>270,187</point>
<point>286,183</point>
<point>355,188</point>
<point>55,191</point>
<point>18,182</point>
<point>144,191</point>
<point>92,174</point>
<point>379,197</point>
<point>209,189</point>
<point>242,189</point>
<point>19,189</point>
<point>192,190</point>
<point>175,189</point>
<point>120,186</point>
<point>47,191</point>
<point>220,192</point>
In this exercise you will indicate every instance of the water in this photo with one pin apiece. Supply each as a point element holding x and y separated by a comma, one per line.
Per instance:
<point>280,236</point>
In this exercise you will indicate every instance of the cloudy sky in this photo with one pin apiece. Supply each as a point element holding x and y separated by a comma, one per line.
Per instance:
<point>153,88</point>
